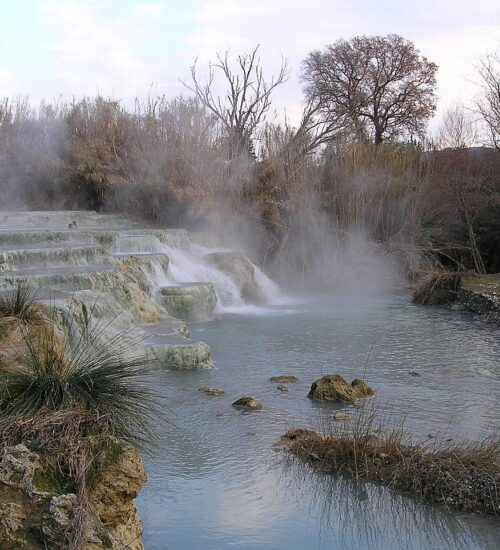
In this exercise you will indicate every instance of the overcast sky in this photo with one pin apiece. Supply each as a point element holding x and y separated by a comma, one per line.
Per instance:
<point>125,48</point>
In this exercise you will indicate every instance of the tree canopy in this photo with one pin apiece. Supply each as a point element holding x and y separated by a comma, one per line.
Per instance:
<point>380,87</point>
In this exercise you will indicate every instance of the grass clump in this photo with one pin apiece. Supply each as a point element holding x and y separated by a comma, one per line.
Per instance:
<point>464,475</point>
<point>18,309</point>
<point>20,303</point>
<point>101,378</point>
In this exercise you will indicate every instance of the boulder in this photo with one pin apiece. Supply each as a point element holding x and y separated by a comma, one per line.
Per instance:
<point>112,499</point>
<point>247,402</point>
<point>284,378</point>
<point>335,388</point>
<point>240,269</point>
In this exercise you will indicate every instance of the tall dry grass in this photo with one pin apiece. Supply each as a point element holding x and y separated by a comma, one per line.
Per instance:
<point>379,448</point>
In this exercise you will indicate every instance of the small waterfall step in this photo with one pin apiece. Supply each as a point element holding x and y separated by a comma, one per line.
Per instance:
<point>72,278</point>
<point>50,256</point>
<point>190,301</point>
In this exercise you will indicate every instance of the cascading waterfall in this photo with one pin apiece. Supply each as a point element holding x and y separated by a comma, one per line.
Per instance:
<point>186,265</point>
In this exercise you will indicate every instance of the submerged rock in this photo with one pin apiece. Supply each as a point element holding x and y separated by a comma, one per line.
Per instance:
<point>240,269</point>
<point>415,373</point>
<point>341,416</point>
<point>247,402</point>
<point>335,388</point>
<point>284,378</point>
<point>282,388</point>
<point>212,391</point>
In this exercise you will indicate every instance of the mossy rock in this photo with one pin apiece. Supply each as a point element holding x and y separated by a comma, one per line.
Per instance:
<point>188,301</point>
<point>335,388</point>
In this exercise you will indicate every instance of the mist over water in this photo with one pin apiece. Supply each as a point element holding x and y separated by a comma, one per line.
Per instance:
<point>187,264</point>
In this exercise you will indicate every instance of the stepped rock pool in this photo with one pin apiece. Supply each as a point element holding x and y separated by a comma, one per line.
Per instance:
<point>220,478</point>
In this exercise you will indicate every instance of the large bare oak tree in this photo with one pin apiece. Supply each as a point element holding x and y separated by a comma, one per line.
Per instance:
<point>379,86</point>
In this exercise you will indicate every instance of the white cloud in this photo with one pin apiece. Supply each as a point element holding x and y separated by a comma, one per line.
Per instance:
<point>93,51</point>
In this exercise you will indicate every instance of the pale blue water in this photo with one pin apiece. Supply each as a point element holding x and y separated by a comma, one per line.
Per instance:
<point>220,481</point>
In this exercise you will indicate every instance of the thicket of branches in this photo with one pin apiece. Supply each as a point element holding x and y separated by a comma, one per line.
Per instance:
<point>214,160</point>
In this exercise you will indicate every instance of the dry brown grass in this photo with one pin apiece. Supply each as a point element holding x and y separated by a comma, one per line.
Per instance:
<point>463,475</point>
<point>437,286</point>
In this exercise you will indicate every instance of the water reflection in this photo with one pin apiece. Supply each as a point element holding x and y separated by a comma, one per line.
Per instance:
<point>362,515</point>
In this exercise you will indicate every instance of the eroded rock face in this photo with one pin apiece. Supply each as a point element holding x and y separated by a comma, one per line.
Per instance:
<point>112,499</point>
<point>17,467</point>
<point>34,516</point>
<point>240,269</point>
<point>335,388</point>
<point>12,518</point>
<point>247,402</point>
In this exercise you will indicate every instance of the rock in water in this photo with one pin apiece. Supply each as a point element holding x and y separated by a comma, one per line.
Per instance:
<point>282,387</point>
<point>334,388</point>
<point>284,378</point>
<point>212,391</point>
<point>247,402</point>
<point>240,269</point>
<point>341,416</point>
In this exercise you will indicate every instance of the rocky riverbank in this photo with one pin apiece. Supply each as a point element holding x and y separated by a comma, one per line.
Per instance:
<point>477,294</point>
<point>38,504</point>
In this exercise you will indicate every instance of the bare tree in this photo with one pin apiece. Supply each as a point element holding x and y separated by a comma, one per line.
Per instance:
<point>379,86</point>
<point>488,102</point>
<point>458,128</point>
<point>247,98</point>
